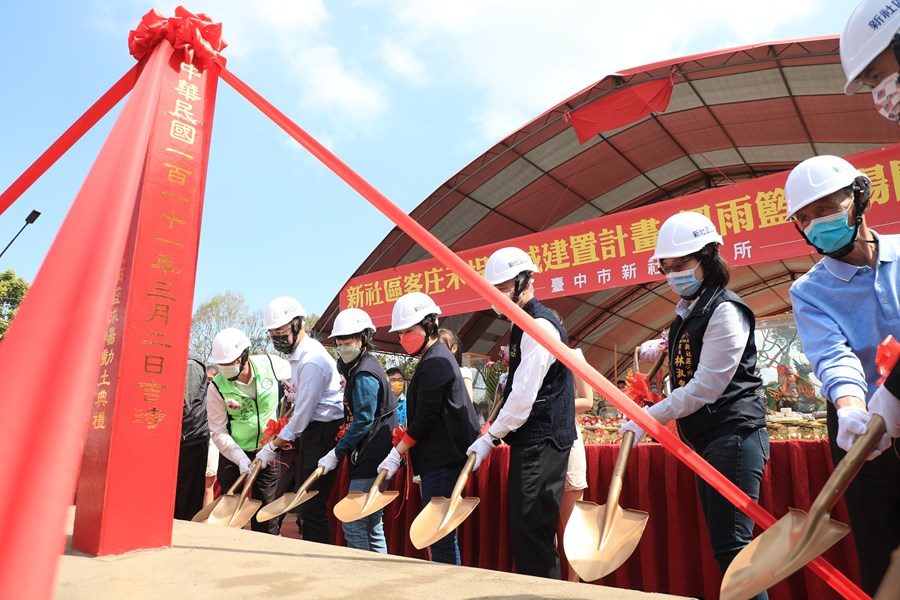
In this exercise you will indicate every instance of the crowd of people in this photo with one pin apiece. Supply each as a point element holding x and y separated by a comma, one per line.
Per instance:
<point>844,307</point>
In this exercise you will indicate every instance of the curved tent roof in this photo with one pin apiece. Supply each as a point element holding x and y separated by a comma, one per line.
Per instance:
<point>733,115</point>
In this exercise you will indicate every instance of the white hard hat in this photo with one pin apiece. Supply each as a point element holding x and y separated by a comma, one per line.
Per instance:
<point>228,345</point>
<point>504,264</point>
<point>350,322</point>
<point>815,178</point>
<point>282,310</point>
<point>867,33</point>
<point>410,309</point>
<point>685,233</point>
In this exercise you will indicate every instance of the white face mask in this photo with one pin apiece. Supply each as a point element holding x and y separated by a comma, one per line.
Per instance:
<point>887,97</point>
<point>229,371</point>
<point>348,353</point>
<point>497,310</point>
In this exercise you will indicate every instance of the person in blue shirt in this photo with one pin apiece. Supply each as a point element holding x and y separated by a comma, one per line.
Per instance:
<point>398,385</point>
<point>844,307</point>
<point>372,413</point>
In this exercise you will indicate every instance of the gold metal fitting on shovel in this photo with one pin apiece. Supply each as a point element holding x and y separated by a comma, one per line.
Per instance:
<point>290,500</point>
<point>798,538</point>
<point>599,539</point>
<point>357,505</point>
<point>443,515</point>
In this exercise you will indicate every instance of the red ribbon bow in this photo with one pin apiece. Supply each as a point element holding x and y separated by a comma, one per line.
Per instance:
<point>638,389</point>
<point>397,435</point>
<point>273,428</point>
<point>196,35</point>
<point>886,357</point>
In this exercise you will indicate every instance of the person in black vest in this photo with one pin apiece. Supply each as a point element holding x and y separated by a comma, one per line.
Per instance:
<point>192,454</point>
<point>441,417</point>
<point>371,411</point>
<point>715,388</point>
<point>537,421</point>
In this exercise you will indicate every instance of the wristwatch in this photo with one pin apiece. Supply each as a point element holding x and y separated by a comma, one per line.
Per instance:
<point>494,439</point>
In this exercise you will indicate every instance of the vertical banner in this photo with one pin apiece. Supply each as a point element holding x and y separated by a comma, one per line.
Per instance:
<point>126,490</point>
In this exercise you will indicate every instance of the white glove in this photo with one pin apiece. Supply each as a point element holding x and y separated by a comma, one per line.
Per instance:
<point>329,462</point>
<point>244,466</point>
<point>651,349</point>
<point>482,446</point>
<point>391,463</point>
<point>635,429</point>
<point>887,405</point>
<point>266,455</point>
<point>853,422</point>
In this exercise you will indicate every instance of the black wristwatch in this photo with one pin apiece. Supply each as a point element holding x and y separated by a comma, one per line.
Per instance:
<point>494,439</point>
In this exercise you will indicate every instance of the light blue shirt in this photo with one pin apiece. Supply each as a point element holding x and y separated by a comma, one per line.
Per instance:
<point>843,312</point>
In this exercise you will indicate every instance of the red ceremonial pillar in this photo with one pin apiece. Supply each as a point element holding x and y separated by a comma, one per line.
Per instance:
<point>126,489</point>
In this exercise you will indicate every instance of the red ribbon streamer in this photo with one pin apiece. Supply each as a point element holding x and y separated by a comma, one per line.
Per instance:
<point>194,34</point>
<point>886,357</point>
<point>638,389</point>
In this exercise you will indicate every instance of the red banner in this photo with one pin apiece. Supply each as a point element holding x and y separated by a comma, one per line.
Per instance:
<point>131,456</point>
<point>614,250</point>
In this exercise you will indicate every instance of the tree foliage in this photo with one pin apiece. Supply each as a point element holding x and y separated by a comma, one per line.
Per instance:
<point>12,290</point>
<point>227,310</point>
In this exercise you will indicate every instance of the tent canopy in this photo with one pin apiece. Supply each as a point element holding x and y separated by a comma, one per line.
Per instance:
<point>733,115</point>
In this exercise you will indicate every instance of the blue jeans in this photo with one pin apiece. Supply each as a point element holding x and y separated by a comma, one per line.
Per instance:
<point>440,482</point>
<point>741,457</point>
<point>366,533</point>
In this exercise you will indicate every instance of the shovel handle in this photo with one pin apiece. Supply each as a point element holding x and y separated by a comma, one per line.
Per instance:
<point>846,470</point>
<point>463,477</point>
<point>255,468</point>
<point>382,476</point>
<point>495,410</point>
<point>237,482</point>
<point>615,484</point>
<point>660,360</point>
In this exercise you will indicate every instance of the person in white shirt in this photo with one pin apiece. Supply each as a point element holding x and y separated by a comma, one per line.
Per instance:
<point>715,387</point>
<point>318,410</point>
<point>240,401</point>
<point>537,421</point>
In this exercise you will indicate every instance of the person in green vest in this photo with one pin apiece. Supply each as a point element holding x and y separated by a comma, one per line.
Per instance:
<point>241,399</point>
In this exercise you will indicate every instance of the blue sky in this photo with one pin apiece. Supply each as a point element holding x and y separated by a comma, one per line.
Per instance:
<point>406,92</point>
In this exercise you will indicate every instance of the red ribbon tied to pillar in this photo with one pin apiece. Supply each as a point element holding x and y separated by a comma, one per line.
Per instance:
<point>886,357</point>
<point>196,35</point>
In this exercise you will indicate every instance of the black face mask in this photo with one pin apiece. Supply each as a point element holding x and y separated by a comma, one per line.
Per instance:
<point>283,343</point>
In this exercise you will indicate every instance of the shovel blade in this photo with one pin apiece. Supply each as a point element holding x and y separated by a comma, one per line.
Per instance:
<point>436,520</point>
<point>594,553</point>
<point>782,549</point>
<point>246,513</point>
<point>353,506</point>
<point>223,511</point>
<point>207,510</point>
<point>283,504</point>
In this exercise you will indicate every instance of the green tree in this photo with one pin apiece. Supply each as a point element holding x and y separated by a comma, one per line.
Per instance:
<point>12,290</point>
<point>227,310</point>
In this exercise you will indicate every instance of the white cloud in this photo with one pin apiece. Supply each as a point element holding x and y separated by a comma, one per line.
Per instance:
<point>402,60</point>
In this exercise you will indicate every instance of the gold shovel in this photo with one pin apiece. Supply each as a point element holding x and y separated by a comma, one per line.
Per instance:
<point>357,505</point>
<point>207,510</point>
<point>798,538</point>
<point>598,539</point>
<point>443,515</point>
<point>231,506</point>
<point>290,500</point>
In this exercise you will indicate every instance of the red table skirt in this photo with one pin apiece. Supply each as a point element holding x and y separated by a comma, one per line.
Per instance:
<point>674,555</point>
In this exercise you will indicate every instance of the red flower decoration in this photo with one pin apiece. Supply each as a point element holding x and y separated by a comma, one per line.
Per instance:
<point>341,431</point>
<point>886,357</point>
<point>273,428</point>
<point>196,35</point>
<point>637,387</point>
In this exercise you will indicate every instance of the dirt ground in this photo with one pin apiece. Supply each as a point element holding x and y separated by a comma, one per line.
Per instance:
<point>216,562</point>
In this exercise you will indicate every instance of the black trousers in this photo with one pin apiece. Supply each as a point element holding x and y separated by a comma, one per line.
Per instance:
<point>191,481</point>
<point>537,476</point>
<point>263,488</point>
<point>873,503</point>
<point>316,441</point>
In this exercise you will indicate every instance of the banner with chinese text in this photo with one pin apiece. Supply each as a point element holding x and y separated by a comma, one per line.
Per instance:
<point>614,250</point>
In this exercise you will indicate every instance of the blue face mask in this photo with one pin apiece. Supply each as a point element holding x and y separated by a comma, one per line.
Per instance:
<point>829,233</point>
<point>684,283</point>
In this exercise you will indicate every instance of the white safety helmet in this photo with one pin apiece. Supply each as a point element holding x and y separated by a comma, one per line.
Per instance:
<point>350,322</point>
<point>867,33</point>
<point>685,233</point>
<point>228,345</point>
<point>815,178</point>
<point>282,310</point>
<point>504,264</point>
<point>410,309</point>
